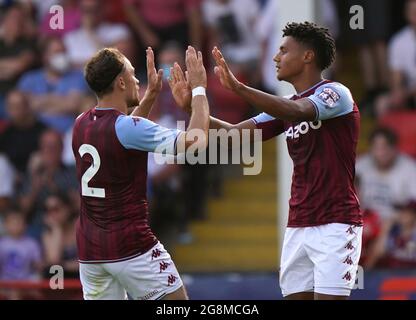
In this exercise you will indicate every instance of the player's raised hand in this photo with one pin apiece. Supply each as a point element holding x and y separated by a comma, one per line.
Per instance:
<point>180,88</point>
<point>154,78</point>
<point>223,72</point>
<point>196,74</point>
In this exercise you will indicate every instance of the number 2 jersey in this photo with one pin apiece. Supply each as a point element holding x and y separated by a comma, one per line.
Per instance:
<point>323,153</point>
<point>111,151</point>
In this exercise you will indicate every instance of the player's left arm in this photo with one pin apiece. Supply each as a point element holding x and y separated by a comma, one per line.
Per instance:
<point>278,107</point>
<point>307,109</point>
<point>154,85</point>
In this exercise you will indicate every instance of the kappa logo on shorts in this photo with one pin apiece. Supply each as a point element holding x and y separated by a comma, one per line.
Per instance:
<point>347,276</point>
<point>350,230</point>
<point>163,266</point>
<point>349,246</point>
<point>171,279</point>
<point>156,253</point>
<point>348,260</point>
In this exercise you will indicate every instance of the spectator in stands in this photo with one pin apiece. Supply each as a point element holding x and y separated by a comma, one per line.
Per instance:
<point>46,175</point>
<point>129,48</point>
<point>158,21</point>
<point>371,46</point>
<point>20,138</point>
<point>67,154</point>
<point>165,105</point>
<point>386,175</point>
<point>16,51</point>
<point>402,64</point>
<point>7,176</point>
<point>93,34</point>
<point>165,192</point>
<point>39,8</point>
<point>58,237</point>
<point>55,91</point>
<point>231,25</point>
<point>400,246</point>
<point>20,255</point>
<point>266,27</point>
<point>175,191</point>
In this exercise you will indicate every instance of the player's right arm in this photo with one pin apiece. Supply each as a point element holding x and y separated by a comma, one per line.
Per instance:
<point>142,134</point>
<point>197,131</point>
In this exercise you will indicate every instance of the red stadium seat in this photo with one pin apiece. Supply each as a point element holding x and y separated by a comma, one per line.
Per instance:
<point>404,124</point>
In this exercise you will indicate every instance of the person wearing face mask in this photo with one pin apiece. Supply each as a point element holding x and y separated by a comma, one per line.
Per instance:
<point>55,91</point>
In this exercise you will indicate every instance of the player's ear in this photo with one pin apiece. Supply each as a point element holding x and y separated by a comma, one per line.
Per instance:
<point>121,83</point>
<point>309,56</point>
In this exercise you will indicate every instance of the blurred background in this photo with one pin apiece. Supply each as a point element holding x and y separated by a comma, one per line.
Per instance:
<point>223,229</point>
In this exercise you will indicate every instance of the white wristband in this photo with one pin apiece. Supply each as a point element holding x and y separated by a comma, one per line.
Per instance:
<point>198,91</point>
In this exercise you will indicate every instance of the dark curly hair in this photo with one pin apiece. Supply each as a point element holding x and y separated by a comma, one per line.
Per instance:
<point>316,38</point>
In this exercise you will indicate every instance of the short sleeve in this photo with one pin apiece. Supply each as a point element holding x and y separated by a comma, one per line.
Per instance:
<point>332,100</point>
<point>145,135</point>
<point>270,126</point>
<point>262,117</point>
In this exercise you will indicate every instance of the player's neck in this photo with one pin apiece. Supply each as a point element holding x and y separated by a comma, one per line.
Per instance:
<point>306,82</point>
<point>111,101</point>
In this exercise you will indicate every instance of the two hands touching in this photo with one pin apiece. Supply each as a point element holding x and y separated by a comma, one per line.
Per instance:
<point>182,83</point>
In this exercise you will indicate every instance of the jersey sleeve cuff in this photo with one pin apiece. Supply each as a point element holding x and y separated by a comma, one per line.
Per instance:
<point>316,109</point>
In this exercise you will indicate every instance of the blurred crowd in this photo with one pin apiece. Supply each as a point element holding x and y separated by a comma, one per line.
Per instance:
<point>386,174</point>
<point>42,91</point>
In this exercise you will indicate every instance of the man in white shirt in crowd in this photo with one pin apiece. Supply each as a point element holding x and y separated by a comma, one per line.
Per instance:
<point>387,176</point>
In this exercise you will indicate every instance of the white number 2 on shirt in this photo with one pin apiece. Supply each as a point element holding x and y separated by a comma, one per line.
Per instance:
<point>90,173</point>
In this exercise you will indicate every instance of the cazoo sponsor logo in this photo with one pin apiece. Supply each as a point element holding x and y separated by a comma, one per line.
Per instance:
<point>302,128</point>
